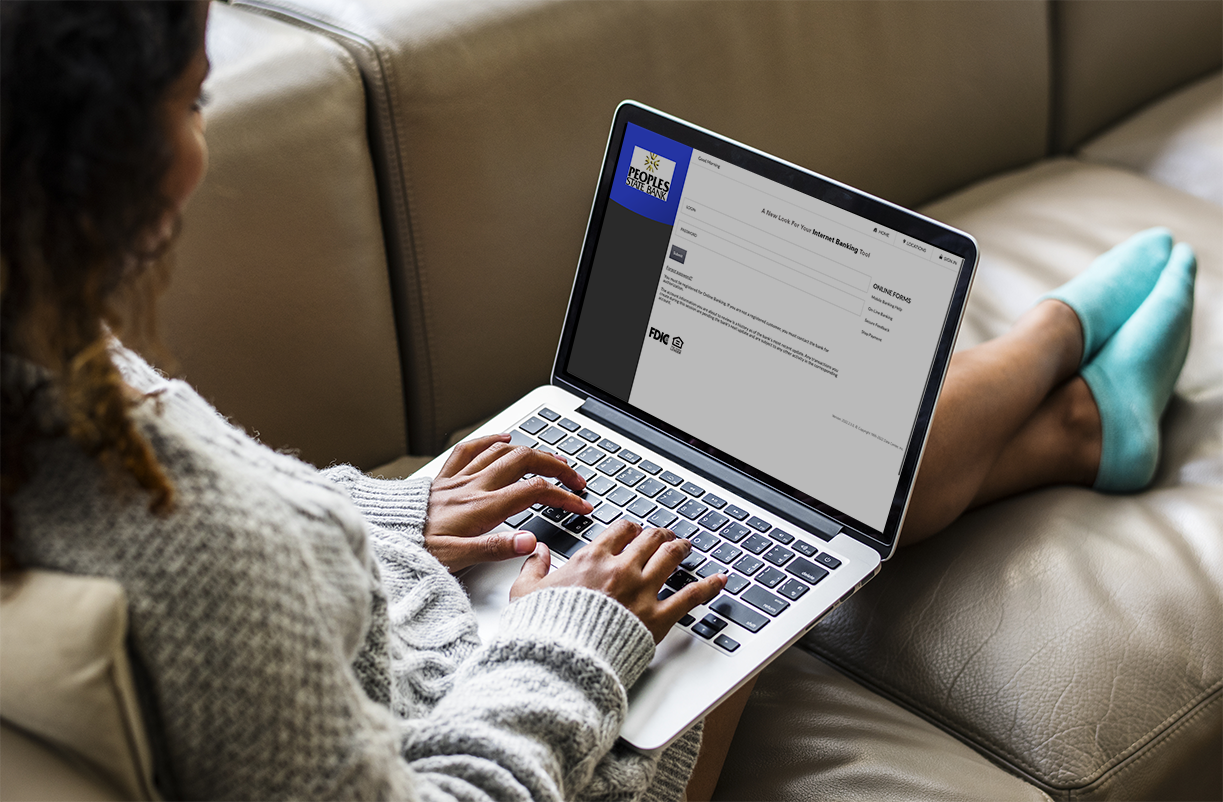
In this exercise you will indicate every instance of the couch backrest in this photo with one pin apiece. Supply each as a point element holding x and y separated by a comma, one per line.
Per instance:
<point>492,117</point>
<point>279,309</point>
<point>1113,56</point>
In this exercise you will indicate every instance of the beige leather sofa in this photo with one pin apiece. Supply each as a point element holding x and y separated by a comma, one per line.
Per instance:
<point>380,257</point>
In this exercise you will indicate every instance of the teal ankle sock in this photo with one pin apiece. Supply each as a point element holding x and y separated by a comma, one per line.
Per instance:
<point>1107,293</point>
<point>1133,375</point>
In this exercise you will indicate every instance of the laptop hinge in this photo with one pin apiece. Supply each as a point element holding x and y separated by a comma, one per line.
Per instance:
<point>752,488</point>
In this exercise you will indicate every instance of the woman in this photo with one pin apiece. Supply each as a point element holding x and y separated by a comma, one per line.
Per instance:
<point>300,631</point>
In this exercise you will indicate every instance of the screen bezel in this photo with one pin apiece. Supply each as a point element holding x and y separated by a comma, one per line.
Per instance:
<point>820,188</point>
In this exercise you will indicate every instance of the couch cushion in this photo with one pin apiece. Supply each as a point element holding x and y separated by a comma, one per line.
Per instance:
<point>808,732</point>
<point>492,119</point>
<point>1111,57</point>
<point>1073,636</point>
<point>279,309</point>
<point>1177,141</point>
<point>67,679</point>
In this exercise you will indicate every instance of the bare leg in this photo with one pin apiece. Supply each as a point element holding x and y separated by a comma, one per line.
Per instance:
<point>720,727</point>
<point>1011,418</point>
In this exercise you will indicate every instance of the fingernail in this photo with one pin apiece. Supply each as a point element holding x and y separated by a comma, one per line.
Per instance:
<point>524,543</point>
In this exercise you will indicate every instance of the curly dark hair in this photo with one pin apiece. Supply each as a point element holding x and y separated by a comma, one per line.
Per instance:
<point>84,152</point>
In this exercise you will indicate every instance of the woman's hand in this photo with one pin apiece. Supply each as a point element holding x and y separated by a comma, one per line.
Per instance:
<point>479,487</point>
<point>630,565</point>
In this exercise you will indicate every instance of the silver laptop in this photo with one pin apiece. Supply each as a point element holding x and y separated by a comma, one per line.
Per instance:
<point>751,357</point>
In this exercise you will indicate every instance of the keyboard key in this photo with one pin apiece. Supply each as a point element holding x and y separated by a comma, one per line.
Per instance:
<point>546,449</point>
<point>554,537</point>
<point>741,614</point>
<point>533,425</point>
<point>693,561</point>
<point>759,524</point>
<point>738,513</point>
<point>809,571</point>
<point>641,508</point>
<point>727,553</point>
<point>684,529</point>
<point>577,524</point>
<point>650,487</point>
<point>671,499</point>
<point>687,619</point>
<point>648,467</point>
<point>590,435</point>
<point>692,509</point>
<point>736,532</point>
<point>715,501</point>
<point>610,466</point>
<point>781,536</point>
<point>763,600</point>
<point>712,620</point>
<point>628,456</point>
<point>621,496</point>
<point>599,485</point>
<point>516,520</point>
<point>736,583</point>
<point>630,476</point>
<point>770,577</point>
<point>793,589</point>
<point>555,514</point>
<point>756,544</point>
<point>590,455</point>
<point>680,580</point>
<point>704,541</point>
<point>749,565</point>
<point>553,435</point>
<point>704,630</point>
<point>667,593</point>
<point>671,478</point>
<point>609,446</point>
<point>828,560</point>
<point>586,473</point>
<point>548,414</point>
<point>517,438</point>
<point>778,555</point>
<point>569,425</point>
<point>572,445</point>
<point>729,644</point>
<point>713,521</point>
<point>805,548</point>
<point>693,490</point>
<point>662,519</point>
<point>710,568</point>
<point>606,513</point>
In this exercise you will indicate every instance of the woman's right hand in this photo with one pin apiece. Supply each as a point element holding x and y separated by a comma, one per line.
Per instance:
<point>630,565</point>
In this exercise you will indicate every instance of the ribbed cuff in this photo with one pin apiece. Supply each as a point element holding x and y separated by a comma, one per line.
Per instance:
<point>398,505</point>
<point>586,618</point>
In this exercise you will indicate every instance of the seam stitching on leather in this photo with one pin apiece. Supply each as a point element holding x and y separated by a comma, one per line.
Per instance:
<point>988,744</point>
<point>400,188</point>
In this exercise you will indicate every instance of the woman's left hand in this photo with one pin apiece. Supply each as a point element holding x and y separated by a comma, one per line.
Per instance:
<point>480,486</point>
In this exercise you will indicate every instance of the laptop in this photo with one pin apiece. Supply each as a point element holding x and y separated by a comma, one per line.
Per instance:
<point>751,357</point>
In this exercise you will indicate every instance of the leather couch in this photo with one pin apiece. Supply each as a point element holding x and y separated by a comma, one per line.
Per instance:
<point>380,256</point>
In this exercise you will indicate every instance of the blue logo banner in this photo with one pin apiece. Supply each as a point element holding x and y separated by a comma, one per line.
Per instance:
<point>650,174</point>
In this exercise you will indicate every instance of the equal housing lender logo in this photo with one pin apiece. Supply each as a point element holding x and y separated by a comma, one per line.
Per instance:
<point>650,173</point>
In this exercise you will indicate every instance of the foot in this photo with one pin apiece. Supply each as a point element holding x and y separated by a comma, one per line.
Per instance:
<point>1107,293</point>
<point>1132,376</point>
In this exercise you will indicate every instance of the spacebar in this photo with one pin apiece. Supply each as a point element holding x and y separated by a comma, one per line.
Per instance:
<point>742,615</point>
<point>557,539</point>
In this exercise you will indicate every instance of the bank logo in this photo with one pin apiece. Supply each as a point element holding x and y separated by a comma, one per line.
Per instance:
<point>676,343</point>
<point>650,173</point>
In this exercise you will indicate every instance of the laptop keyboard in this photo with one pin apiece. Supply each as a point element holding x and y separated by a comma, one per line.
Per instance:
<point>767,567</point>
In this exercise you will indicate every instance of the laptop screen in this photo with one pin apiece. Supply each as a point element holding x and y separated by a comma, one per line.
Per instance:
<point>732,300</point>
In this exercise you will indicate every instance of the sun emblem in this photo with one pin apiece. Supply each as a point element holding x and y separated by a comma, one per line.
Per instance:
<point>651,162</point>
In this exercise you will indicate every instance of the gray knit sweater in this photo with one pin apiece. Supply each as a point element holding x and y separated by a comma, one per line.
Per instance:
<point>300,642</point>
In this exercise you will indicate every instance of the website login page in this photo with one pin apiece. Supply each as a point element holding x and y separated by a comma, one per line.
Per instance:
<point>782,330</point>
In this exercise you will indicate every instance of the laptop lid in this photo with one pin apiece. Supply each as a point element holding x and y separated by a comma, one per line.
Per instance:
<point>789,329</point>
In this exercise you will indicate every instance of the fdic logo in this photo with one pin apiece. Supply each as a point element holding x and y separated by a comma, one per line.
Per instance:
<point>650,173</point>
<point>676,343</point>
